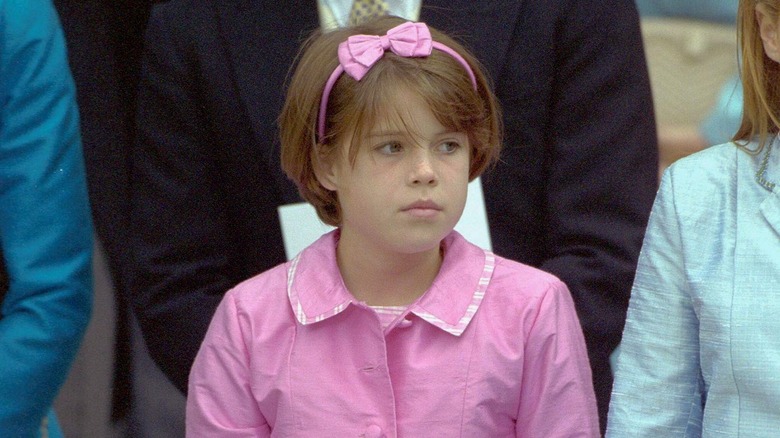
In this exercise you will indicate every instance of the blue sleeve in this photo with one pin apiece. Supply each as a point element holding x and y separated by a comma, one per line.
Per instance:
<point>45,226</point>
<point>658,387</point>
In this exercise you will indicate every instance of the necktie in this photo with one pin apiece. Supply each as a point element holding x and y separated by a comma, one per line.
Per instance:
<point>365,10</point>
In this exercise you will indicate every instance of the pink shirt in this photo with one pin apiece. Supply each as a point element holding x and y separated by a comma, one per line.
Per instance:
<point>492,349</point>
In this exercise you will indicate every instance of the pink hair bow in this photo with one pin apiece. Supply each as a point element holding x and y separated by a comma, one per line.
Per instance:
<point>359,52</point>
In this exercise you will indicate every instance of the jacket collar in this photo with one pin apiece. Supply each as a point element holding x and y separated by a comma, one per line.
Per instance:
<point>317,292</point>
<point>768,173</point>
<point>768,177</point>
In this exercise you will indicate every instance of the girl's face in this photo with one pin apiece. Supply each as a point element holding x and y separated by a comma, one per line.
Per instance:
<point>407,187</point>
<point>769,26</point>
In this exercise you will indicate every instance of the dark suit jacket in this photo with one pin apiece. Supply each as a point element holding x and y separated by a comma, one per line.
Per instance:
<point>571,195</point>
<point>104,41</point>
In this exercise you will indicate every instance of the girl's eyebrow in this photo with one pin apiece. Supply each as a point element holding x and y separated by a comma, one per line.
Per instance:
<point>387,133</point>
<point>407,133</point>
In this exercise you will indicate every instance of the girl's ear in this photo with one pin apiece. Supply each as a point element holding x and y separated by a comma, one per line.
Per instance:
<point>768,26</point>
<point>325,170</point>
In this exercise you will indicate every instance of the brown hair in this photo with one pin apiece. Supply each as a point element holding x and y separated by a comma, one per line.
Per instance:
<point>760,78</point>
<point>354,106</point>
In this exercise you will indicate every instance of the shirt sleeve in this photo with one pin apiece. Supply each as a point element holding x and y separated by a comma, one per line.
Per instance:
<point>220,401</point>
<point>557,391</point>
<point>45,226</point>
<point>658,386</point>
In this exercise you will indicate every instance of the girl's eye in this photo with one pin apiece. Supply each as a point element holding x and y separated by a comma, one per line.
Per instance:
<point>391,148</point>
<point>448,147</point>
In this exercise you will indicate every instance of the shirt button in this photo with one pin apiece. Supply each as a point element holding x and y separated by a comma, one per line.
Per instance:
<point>374,431</point>
<point>405,323</point>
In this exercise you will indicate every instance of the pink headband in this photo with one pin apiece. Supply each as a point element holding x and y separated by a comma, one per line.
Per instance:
<point>360,52</point>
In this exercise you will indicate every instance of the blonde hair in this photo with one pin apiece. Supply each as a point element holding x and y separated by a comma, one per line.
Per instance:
<point>354,106</point>
<point>760,78</point>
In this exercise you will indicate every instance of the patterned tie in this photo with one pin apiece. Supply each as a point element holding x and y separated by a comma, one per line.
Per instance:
<point>365,10</point>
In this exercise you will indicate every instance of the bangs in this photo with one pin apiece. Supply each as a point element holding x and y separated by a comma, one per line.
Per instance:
<point>438,80</point>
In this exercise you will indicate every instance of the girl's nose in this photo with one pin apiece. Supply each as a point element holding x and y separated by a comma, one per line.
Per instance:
<point>423,172</point>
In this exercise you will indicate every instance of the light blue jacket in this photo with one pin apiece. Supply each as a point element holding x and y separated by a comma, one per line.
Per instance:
<point>45,227</point>
<point>700,354</point>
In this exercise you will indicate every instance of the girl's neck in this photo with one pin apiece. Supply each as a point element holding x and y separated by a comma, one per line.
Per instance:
<point>382,279</point>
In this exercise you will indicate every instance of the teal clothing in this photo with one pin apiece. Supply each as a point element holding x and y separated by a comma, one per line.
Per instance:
<point>718,11</point>
<point>45,226</point>
<point>700,352</point>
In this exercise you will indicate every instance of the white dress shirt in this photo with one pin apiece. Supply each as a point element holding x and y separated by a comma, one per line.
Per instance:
<point>335,13</point>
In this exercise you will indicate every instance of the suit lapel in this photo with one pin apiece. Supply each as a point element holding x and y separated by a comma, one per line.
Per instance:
<point>262,39</point>
<point>768,176</point>
<point>486,26</point>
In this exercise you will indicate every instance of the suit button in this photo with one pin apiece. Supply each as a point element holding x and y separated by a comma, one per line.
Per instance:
<point>374,431</point>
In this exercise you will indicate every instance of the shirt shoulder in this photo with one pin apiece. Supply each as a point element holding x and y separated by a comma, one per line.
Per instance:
<point>710,180</point>
<point>711,167</point>
<point>303,284</point>
<point>518,295</point>
<point>524,280</point>
<point>264,296</point>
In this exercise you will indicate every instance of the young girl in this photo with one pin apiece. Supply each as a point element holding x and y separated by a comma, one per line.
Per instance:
<point>701,353</point>
<point>392,325</point>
